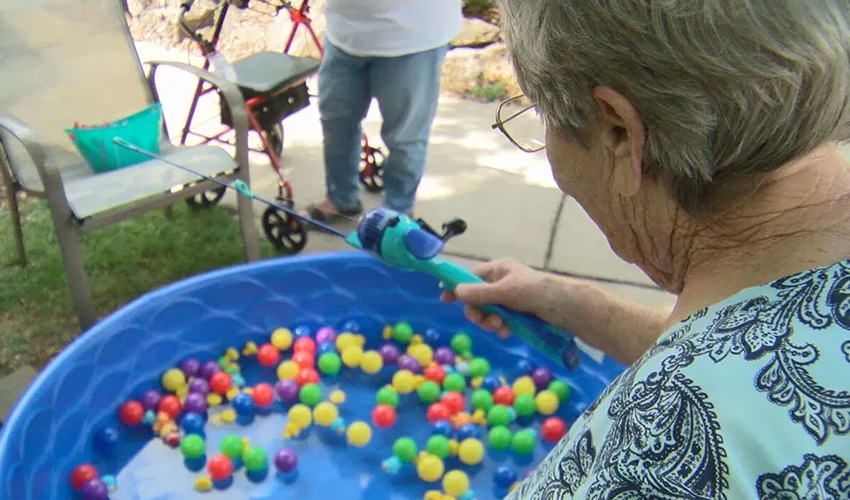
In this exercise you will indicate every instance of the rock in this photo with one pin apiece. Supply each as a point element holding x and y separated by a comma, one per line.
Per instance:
<point>477,33</point>
<point>483,73</point>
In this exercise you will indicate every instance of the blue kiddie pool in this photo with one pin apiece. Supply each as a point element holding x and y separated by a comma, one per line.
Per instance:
<point>70,414</point>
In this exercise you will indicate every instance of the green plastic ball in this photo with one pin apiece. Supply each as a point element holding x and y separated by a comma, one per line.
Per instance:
<point>524,405</point>
<point>524,441</point>
<point>231,446</point>
<point>329,363</point>
<point>438,445</point>
<point>499,415</point>
<point>231,369</point>
<point>454,382</point>
<point>223,361</point>
<point>255,459</point>
<point>310,395</point>
<point>479,367</point>
<point>461,343</point>
<point>387,396</point>
<point>404,449</point>
<point>561,389</point>
<point>499,438</point>
<point>403,332</point>
<point>192,446</point>
<point>428,392</point>
<point>482,399</point>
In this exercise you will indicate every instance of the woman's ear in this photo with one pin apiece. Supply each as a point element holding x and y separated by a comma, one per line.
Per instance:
<point>622,133</point>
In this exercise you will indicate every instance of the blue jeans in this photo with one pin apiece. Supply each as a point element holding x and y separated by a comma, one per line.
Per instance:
<point>407,89</point>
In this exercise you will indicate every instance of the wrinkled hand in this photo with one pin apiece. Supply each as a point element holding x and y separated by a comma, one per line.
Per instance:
<point>509,284</point>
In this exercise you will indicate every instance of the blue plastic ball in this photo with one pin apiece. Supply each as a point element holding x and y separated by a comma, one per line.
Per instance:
<point>442,427</point>
<point>468,431</point>
<point>106,440</point>
<point>192,423</point>
<point>504,476</point>
<point>491,383</point>
<point>243,404</point>
<point>302,331</point>
<point>524,367</point>
<point>432,336</point>
<point>326,347</point>
<point>351,326</point>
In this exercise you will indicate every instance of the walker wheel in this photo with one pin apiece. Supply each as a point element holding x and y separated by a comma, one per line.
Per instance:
<point>284,232</point>
<point>275,138</point>
<point>207,199</point>
<point>372,169</point>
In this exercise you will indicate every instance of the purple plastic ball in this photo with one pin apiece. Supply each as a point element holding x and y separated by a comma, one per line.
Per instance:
<point>407,362</point>
<point>542,377</point>
<point>209,369</point>
<point>190,366</point>
<point>325,334</point>
<point>199,386</point>
<point>389,353</point>
<point>287,390</point>
<point>195,403</point>
<point>150,399</point>
<point>444,356</point>
<point>95,490</point>
<point>285,460</point>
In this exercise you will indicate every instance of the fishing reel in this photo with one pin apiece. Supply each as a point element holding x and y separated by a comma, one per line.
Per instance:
<point>389,234</point>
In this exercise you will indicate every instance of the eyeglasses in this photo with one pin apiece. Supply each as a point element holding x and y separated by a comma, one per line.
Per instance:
<point>525,130</point>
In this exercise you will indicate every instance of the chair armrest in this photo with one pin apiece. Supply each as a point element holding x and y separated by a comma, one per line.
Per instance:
<point>47,171</point>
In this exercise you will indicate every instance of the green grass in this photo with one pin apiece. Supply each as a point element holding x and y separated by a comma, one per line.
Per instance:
<point>491,91</point>
<point>122,261</point>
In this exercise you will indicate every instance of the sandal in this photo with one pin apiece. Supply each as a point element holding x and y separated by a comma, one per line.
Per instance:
<point>323,216</point>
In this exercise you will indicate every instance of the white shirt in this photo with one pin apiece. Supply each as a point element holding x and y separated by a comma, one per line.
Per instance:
<point>388,28</point>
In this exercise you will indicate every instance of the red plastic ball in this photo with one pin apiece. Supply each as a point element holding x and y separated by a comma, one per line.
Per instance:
<point>305,344</point>
<point>82,474</point>
<point>553,429</point>
<point>170,405</point>
<point>454,401</point>
<point>383,416</point>
<point>503,396</point>
<point>304,359</point>
<point>132,412</point>
<point>268,355</point>
<point>263,394</point>
<point>220,467</point>
<point>435,373</point>
<point>307,376</point>
<point>220,382</point>
<point>437,412</point>
<point>173,439</point>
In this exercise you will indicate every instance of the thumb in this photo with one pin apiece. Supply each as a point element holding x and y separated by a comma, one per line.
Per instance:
<point>479,293</point>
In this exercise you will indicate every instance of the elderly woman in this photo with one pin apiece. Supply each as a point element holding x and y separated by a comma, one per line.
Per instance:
<point>701,137</point>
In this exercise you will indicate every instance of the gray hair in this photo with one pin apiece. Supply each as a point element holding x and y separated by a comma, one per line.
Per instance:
<point>727,88</point>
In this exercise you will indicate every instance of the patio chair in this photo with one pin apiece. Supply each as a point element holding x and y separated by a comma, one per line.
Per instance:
<point>63,62</point>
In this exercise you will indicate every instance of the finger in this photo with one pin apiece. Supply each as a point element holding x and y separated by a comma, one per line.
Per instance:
<point>473,314</point>
<point>489,271</point>
<point>504,332</point>
<point>448,297</point>
<point>480,293</point>
<point>493,323</point>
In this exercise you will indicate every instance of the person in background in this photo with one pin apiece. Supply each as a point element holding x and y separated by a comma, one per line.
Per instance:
<point>392,51</point>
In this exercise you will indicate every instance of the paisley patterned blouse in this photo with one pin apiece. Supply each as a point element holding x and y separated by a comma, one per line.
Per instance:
<point>748,398</point>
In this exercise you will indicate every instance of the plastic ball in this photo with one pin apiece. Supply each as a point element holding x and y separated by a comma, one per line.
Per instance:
<point>109,481</point>
<point>287,390</point>
<point>438,445</point>
<point>149,418</point>
<point>344,340</point>
<point>479,367</point>
<point>389,353</point>
<point>358,434</point>
<point>499,415</point>
<point>405,449</point>
<point>199,386</point>
<point>170,405</point>
<point>372,362</point>
<point>255,459</point>
<point>524,367</point>
<point>491,383</point>
<point>262,394</point>
<point>542,377</point>
<point>387,396</point>
<point>95,489</point>
<point>151,398</point>
<point>281,338</point>
<point>329,363</point>
<point>437,412</point>
<point>444,356</point>
<point>302,331</point>
<point>288,370</point>
<point>561,389</point>
<point>429,468</point>
<point>106,440</point>
<point>553,429</point>
<point>504,396</point>
<point>422,353</point>
<point>173,379</point>
<point>232,446</point>
<point>326,347</point>
<point>310,394</point>
<point>352,356</point>
<point>469,431</point>
<point>307,376</point>
<point>428,392</point>
<point>470,451</point>
<point>132,412</point>
<point>192,423</point>
<point>268,355</point>
<point>455,483</point>
<point>305,344</point>
<point>195,403</point>
<point>504,476</point>
<point>403,381</point>
<point>82,474</point>
<point>337,397</point>
<point>443,428</point>
<point>409,363</point>
<point>192,446</point>
<point>325,334</point>
<point>383,416</point>
<point>300,415</point>
<point>220,467</point>
<point>190,367</point>
<point>304,359</point>
<point>481,399</point>
<point>524,405</point>
<point>435,373</point>
<point>208,369</point>
<point>524,441</point>
<point>524,385</point>
<point>461,344</point>
<point>402,332</point>
<point>285,460</point>
<point>454,382</point>
<point>325,414</point>
<point>547,402</point>
<point>220,383</point>
<point>454,401</point>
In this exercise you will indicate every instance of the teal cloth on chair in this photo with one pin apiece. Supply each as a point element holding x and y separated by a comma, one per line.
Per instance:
<point>96,144</point>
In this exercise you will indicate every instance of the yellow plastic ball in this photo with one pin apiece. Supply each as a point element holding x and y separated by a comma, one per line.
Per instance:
<point>470,451</point>
<point>360,340</point>
<point>344,340</point>
<point>325,414</point>
<point>387,333</point>
<point>337,397</point>
<point>416,339</point>
<point>547,402</point>
<point>282,338</point>
<point>290,431</point>
<point>404,381</point>
<point>429,468</point>
<point>231,354</point>
<point>358,434</point>
<point>203,484</point>
<point>372,362</point>
<point>288,370</point>
<point>352,355</point>
<point>300,415</point>
<point>182,392</point>
<point>228,416</point>
<point>455,483</point>
<point>213,399</point>
<point>173,379</point>
<point>475,383</point>
<point>524,385</point>
<point>250,349</point>
<point>422,353</point>
<point>453,446</point>
<point>232,392</point>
